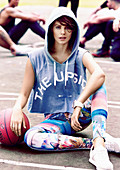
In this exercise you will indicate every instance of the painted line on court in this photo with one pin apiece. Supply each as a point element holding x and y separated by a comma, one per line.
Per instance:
<point>13,99</point>
<point>114,104</point>
<point>7,99</point>
<point>9,94</point>
<point>111,104</point>
<point>107,62</point>
<point>43,166</point>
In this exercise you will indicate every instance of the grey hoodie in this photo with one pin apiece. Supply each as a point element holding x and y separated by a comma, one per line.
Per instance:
<point>57,85</point>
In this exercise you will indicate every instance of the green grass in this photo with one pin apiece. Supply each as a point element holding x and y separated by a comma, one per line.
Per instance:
<point>83,3</point>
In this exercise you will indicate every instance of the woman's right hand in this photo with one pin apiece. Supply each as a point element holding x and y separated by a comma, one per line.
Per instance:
<point>74,119</point>
<point>17,121</point>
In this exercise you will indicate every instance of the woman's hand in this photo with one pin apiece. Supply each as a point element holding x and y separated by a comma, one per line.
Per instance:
<point>74,119</point>
<point>17,121</point>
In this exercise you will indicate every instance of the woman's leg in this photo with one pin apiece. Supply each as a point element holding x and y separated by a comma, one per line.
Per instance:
<point>98,154</point>
<point>53,134</point>
<point>99,112</point>
<point>20,29</point>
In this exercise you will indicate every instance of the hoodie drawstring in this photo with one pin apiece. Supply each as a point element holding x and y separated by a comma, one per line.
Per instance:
<point>55,74</point>
<point>66,73</point>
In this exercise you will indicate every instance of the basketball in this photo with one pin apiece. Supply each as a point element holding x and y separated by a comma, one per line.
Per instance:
<point>7,136</point>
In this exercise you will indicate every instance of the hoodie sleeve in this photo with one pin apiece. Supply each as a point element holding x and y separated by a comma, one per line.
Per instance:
<point>36,58</point>
<point>79,58</point>
<point>81,52</point>
<point>32,57</point>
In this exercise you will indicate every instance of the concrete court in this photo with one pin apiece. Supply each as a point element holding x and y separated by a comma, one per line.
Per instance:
<point>11,76</point>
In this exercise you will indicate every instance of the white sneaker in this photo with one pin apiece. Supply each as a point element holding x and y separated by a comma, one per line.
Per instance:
<point>19,50</point>
<point>99,158</point>
<point>23,50</point>
<point>112,144</point>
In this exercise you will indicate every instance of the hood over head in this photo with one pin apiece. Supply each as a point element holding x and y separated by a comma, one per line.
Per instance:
<point>57,13</point>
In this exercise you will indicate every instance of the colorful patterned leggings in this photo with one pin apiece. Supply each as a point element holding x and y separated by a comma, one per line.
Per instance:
<point>54,132</point>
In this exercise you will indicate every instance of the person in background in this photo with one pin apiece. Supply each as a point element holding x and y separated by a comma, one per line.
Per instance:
<point>74,5</point>
<point>55,83</point>
<point>102,23</point>
<point>115,50</point>
<point>7,20</point>
<point>104,5</point>
<point>6,42</point>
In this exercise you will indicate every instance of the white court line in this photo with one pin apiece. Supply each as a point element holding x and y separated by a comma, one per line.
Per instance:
<point>11,94</point>
<point>7,99</point>
<point>108,62</point>
<point>113,106</point>
<point>43,166</point>
<point>13,99</point>
<point>114,103</point>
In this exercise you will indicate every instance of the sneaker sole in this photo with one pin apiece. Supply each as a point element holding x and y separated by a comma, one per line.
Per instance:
<point>93,162</point>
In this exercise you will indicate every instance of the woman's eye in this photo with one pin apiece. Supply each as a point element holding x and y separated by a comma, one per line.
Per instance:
<point>68,29</point>
<point>58,27</point>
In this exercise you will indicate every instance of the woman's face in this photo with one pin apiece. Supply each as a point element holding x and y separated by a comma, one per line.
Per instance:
<point>62,34</point>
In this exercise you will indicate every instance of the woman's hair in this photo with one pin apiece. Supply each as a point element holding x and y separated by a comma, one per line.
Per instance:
<point>66,21</point>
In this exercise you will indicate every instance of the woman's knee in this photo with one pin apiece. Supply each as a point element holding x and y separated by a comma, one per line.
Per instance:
<point>28,138</point>
<point>38,140</point>
<point>99,99</point>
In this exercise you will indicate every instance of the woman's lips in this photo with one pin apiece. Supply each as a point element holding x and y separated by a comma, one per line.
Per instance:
<point>62,38</point>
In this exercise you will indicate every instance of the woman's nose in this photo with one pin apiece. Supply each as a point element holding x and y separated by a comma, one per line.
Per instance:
<point>62,30</point>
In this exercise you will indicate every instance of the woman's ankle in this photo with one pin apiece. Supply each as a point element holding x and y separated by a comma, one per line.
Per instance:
<point>99,141</point>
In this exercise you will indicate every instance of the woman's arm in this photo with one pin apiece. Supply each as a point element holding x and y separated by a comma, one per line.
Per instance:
<point>95,81</point>
<point>17,118</point>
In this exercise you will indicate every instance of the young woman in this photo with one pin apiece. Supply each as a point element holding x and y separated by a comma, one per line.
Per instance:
<point>56,78</point>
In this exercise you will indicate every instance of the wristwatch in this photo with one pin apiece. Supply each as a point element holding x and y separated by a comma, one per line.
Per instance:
<point>77,103</point>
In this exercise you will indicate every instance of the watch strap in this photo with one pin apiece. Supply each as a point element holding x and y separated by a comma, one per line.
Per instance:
<point>77,103</point>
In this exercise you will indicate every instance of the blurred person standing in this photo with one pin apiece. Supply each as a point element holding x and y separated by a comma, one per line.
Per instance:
<point>74,5</point>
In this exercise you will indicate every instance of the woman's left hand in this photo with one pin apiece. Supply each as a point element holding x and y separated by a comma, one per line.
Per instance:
<point>74,119</point>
